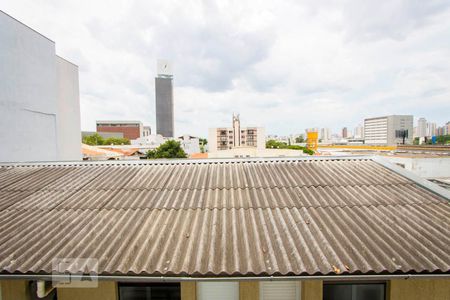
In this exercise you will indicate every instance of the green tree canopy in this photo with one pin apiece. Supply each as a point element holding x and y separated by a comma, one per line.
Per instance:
<point>170,149</point>
<point>299,139</point>
<point>443,139</point>
<point>96,139</point>
<point>272,144</point>
<point>276,145</point>
<point>203,143</point>
<point>116,141</point>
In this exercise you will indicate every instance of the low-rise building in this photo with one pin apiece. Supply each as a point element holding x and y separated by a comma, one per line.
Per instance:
<point>130,129</point>
<point>147,130</point>
<point>152,141</point>
<point>245,152</point>
<point>190,144</point>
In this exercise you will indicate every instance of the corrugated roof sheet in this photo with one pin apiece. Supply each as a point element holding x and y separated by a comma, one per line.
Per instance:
<point>222,218</point>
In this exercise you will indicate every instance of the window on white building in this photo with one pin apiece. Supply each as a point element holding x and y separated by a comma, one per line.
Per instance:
<point>149,291</point>
<point>279,290</point>
<point>218,291</point>
<point>356,291</point>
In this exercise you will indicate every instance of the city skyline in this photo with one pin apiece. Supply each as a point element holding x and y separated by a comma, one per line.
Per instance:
<point>324,65</point>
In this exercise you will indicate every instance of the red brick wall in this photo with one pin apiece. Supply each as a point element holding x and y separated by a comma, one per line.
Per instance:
<point>130,133</point>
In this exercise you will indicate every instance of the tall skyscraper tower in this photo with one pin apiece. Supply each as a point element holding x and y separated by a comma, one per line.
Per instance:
<point>164,99</point>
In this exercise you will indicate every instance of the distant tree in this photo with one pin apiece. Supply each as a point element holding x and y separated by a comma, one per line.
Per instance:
<point>443,139</point>
<point>97,140</point>
<point>308,151</point>
<point>272,144</point>
<point>94,139</point>
<point>295,147</point>
<point>116,141</point>
<point>202,142</point>
<point>276,145</point>
<point>170,149</point>
<point>299,139</point>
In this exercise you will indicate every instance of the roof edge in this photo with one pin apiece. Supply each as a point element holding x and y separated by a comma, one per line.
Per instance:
<point>126,278</point>
<point>66,60</point>
<point>27,26</point>
<point>178,161</point>
<point>428,185</point>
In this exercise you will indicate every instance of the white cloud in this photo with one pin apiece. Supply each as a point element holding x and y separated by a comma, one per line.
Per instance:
<point>285,65</point>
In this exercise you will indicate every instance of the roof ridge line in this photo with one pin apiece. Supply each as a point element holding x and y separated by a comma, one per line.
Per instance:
<point>229,208</point>
<point>215,188</point>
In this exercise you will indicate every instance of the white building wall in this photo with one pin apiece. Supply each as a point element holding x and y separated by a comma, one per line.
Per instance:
<point>212,139</point>
<point>422,127</point>
<point>382,130</point>
<point>424,167</point>
<point>400,122</point>
<point>68,118</point>
<point>28,95</point>
<point>260,138</point>
<point>358,132</point>
<point>325,135</point>
<point>431,129</point>
<point>152,140</point>
<point>190,144</point>
<point>376,131</point>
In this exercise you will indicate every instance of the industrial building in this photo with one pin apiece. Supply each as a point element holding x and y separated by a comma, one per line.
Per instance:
<point>129,129</point>
<point>39,97</point>
<point>352,228</point>
<point>164,99</point>
<point>225,138</point>
<point>389,130</point>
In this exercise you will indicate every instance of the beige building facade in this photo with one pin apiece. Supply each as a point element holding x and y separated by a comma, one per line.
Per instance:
<point>395,289</point>
<point>225,138</point>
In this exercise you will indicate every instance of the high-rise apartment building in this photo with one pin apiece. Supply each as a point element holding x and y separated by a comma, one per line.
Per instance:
<point>344,132</point>
<point>431,129</point>
<point>388,130</point>
<point>422,127</point>
<point>164,99</point>
<point>358,133</point>
<point>443,130</point>
<point>224,138</point>
<point>325,135</point>
<point>39,97</point>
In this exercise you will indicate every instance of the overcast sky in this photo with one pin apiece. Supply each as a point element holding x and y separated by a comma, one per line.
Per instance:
<point>285,65</point>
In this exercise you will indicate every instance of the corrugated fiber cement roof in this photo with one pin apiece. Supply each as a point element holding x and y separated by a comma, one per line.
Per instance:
<point>222,218</point>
